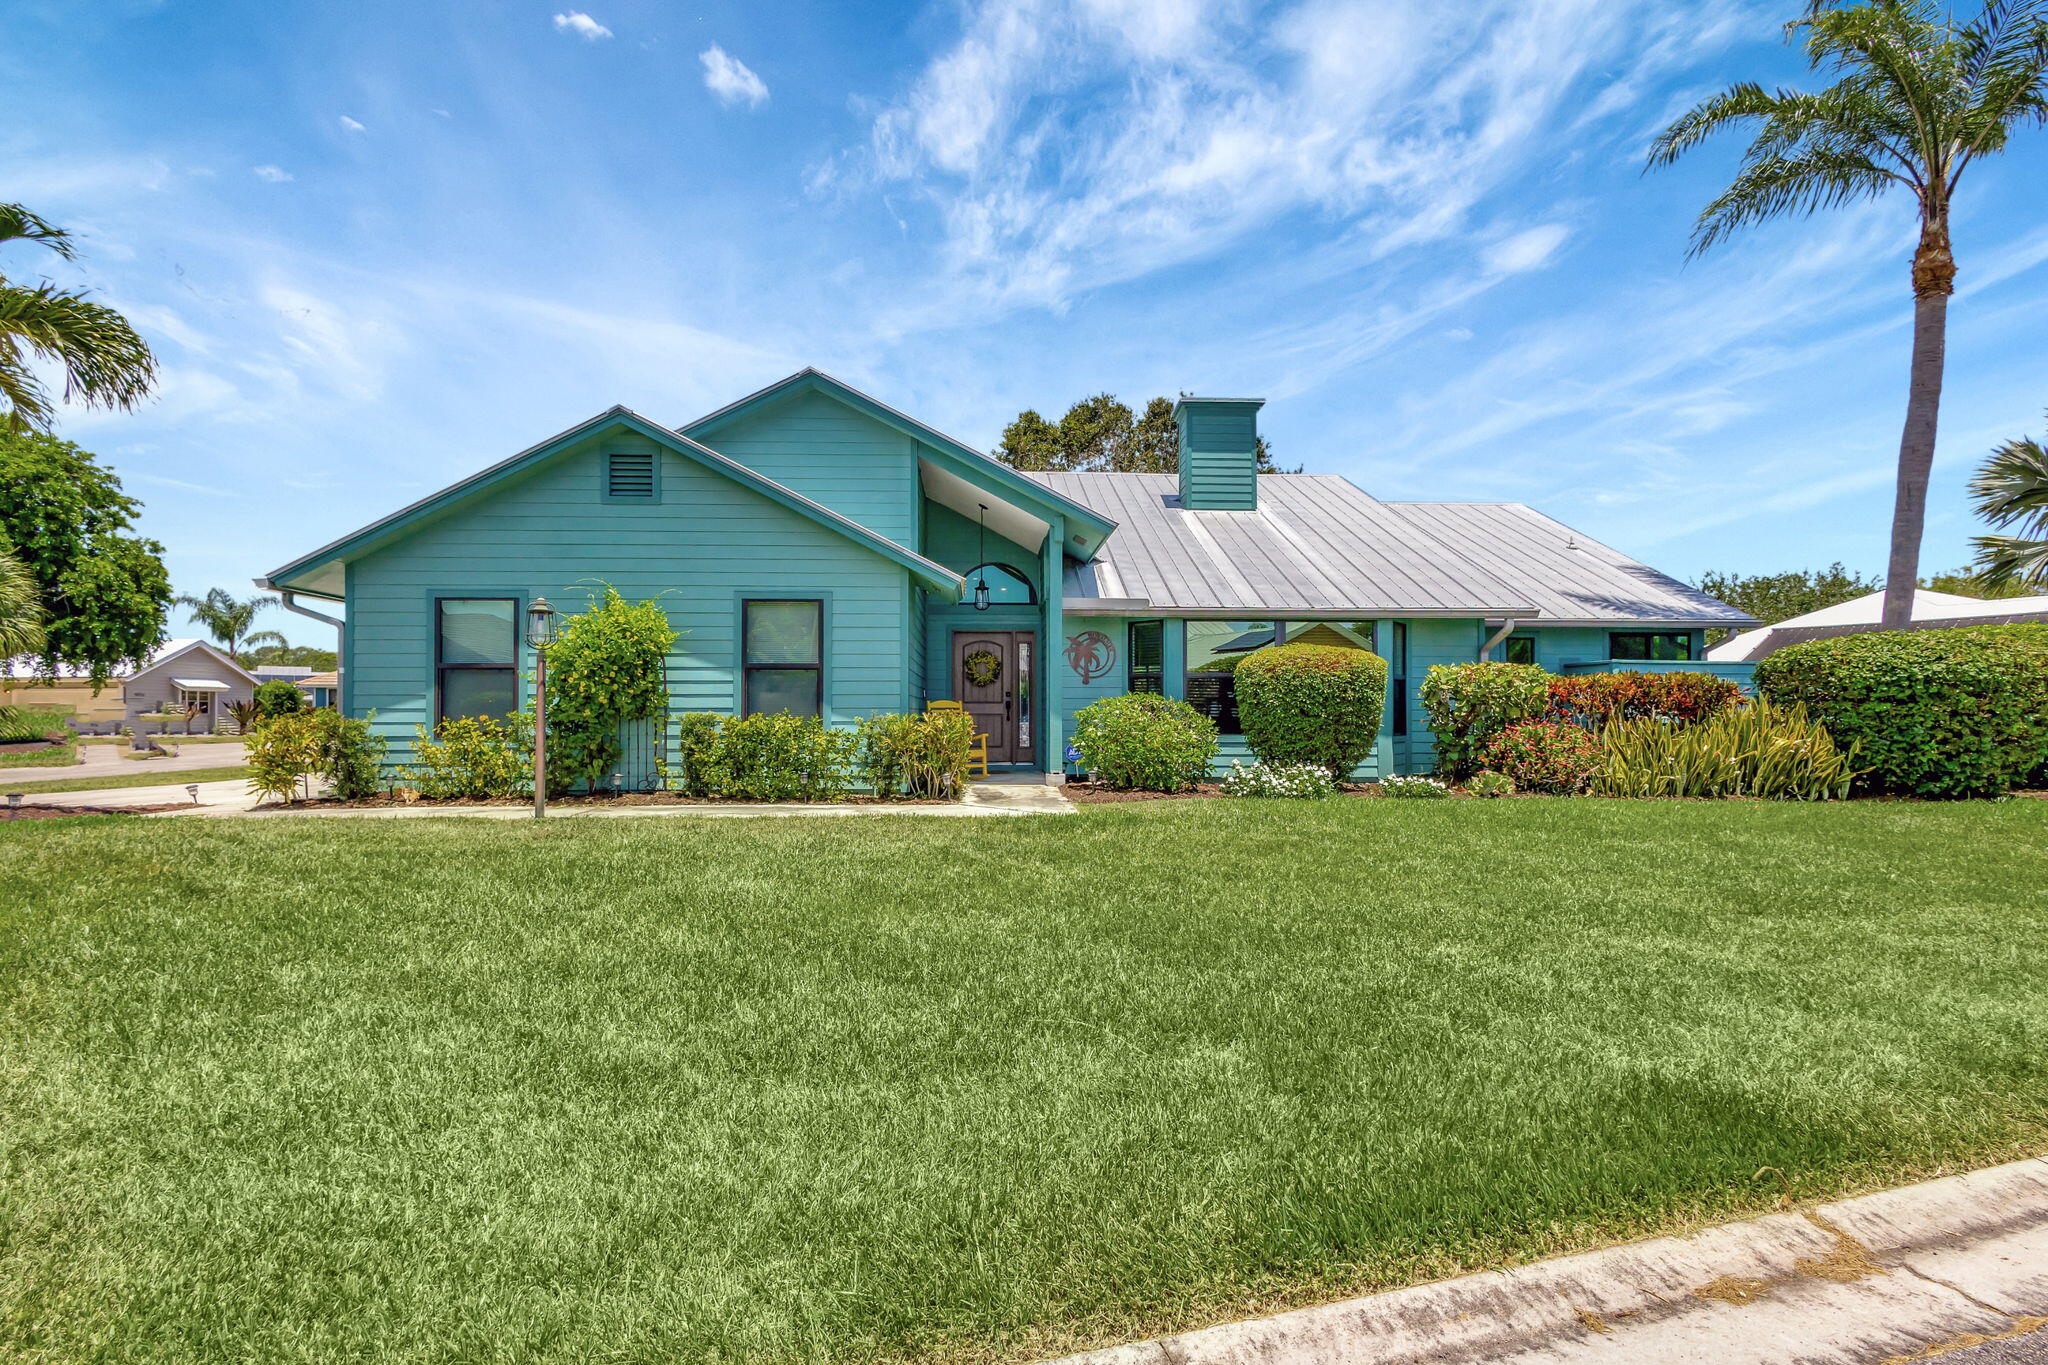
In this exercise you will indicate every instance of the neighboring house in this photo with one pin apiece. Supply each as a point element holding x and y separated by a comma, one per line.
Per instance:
<point>22,683</point>
<point>186,671</point>
<point>321,689</point>
<point>1931,611</point>
<point>818,551</point>
<point>291,673</point>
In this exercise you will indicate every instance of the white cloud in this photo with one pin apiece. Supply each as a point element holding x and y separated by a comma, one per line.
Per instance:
<point>1066,145</point>
<point>1526,251</point>
<point>582,25</point>
<point>351,125</point>
<point>729,78</point>
<point>276,175</point>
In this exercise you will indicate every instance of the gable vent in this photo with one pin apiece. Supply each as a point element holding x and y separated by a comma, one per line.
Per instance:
<point>629,477</point>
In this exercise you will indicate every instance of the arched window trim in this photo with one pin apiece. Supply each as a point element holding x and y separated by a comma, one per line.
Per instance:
<point>1002,571</point>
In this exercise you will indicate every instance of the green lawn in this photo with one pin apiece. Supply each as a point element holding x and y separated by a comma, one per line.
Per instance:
<point>897,1088</point>
<point>160,777</point>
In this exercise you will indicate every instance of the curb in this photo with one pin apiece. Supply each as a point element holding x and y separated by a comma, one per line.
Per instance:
<point>1904,1274</point>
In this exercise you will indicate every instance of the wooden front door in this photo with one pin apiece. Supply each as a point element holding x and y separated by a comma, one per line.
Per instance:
<point>992,678</point>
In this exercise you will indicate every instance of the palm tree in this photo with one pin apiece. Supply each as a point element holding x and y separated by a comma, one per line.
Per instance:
<point>228,620</point>
<point>105,363</point>
<point>1919,97</point>
<point>2011,490</point>
<point>21,609</point>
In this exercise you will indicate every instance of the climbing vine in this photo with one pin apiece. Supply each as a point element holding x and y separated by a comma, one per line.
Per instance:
<point>604,668</point>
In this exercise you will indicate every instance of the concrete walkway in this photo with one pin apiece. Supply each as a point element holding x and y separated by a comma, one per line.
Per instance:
<point>105,760</point>
<point>1002,795</point>
<point>1953,1269</point>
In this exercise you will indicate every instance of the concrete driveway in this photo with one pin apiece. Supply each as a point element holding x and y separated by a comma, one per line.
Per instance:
<point>105,760</point>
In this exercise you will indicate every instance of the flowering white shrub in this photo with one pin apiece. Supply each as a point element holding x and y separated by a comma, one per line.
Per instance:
<point>1413,787</point>
<point>1304,781</point>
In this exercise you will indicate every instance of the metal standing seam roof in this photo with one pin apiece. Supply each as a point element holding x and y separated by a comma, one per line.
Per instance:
<point>1319,543</point>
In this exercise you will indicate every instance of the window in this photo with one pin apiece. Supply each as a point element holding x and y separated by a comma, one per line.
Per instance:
<point>1397,682</point>
<point>476,656</point>
<point>631,476</point>
<point>1215,648</point>
<point>1145,657</point>
<point>1520,649</point>
<point>1005,584</point>
<point>1646,647</point>
<point>782,656</point>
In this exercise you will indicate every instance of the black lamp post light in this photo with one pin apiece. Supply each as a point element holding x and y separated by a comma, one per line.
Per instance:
<point>540,633</point>
<point>981,574</point>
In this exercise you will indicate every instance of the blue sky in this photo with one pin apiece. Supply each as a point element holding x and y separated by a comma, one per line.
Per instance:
<point>378,246</point>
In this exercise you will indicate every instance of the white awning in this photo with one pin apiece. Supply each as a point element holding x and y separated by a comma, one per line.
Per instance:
<point>200,684</point>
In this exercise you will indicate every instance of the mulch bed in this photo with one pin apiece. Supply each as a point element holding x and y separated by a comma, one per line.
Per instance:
<point>30,746</point>
<point>385,801</point>
<point>30,812</point>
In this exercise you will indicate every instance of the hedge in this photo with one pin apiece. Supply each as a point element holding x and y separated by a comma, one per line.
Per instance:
<point>1317,704</point>
<point>1947,713</point>
<point>1468,704</point>
<point>1594,699</point>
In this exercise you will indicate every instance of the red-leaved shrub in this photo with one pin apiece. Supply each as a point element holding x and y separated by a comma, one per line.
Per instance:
<point>1593,699</point>
<point>1546,756</point>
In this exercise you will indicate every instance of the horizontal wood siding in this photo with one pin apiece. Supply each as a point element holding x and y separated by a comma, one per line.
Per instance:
<point>707,542</point>
<point>833,455</point>
<point>1218,456</point>
<point>1431,643</point>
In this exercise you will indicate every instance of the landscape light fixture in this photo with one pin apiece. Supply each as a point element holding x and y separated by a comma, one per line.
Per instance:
<point>540,633</point>
<point>192,790</point>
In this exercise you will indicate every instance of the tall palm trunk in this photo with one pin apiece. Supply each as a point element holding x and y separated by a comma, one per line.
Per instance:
<point>1934,277</point>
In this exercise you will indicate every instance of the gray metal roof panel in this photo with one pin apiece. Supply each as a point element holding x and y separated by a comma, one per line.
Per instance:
<point>1319,543</point>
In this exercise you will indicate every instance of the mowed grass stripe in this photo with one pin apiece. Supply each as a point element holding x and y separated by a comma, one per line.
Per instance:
<point>897,1089</point>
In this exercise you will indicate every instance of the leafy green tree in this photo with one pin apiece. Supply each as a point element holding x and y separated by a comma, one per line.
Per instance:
<point>1099,434</point>
<point>1096,433</point>
<point>2011,492</point>
<point>227,619</point>
<point>105,364</point>
<point>1775,597</point>
<point>1918,98</point>
<point>21,609</point>
<point>299,656</point>
<point>104,591</point>
<point>1969,581</point>
<point>1032,443</point>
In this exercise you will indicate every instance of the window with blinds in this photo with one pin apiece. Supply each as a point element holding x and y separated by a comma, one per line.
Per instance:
<point>630,476</point>
<point>1145,657</point>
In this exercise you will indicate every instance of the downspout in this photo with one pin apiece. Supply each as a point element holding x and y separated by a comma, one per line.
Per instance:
<point>1507,628</point>
<point>291,604</point>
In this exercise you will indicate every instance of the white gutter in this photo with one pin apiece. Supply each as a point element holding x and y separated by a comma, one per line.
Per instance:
<point>1507,628</point>
<point>291,604</point>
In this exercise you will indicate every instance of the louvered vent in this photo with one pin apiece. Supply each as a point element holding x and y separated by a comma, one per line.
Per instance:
<point>629,477</point>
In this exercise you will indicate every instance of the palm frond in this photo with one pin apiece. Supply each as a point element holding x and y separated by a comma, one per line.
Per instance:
<point>17,224</point>
<point>105,363</point>
<point>2011,488</point>
<point>1736,105</point>
<point>21,609</point>
<point>2006,560</point>
<point>1805,183</point>
<point>28,402</point>
<point>263,637</point>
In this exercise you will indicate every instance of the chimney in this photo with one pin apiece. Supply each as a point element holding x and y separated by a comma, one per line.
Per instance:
<point>1219,460</point>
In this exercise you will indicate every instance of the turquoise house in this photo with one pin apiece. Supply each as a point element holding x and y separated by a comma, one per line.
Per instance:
<point>819,551</point>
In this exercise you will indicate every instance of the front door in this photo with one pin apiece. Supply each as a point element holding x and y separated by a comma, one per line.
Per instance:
<point>992,678</point>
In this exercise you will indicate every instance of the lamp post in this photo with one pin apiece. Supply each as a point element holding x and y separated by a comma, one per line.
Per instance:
<point>540,633</point>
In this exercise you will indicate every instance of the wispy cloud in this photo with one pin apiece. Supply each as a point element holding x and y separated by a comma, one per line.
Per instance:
<point>350,125</point>
<point>582,25</point>
<point>729,78</point>
<point>276,175</point>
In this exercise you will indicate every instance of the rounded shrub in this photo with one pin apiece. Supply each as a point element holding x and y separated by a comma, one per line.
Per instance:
<point>1317,704</point>
<point>1468,704</point>
<point>279,698</point>
<point>1546,756</point>
<point>1144,741</point>
<point>1942,713</point>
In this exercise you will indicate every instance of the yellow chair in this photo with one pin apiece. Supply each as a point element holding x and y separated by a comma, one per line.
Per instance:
<point>977,754</point>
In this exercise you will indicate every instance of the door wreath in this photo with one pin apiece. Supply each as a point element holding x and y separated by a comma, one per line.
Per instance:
<point>982,667</point>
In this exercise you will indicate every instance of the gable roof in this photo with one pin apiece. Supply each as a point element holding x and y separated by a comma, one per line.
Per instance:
<point>295,576</point>
<point>1317,544</point>
<point>1092,526</point>
<point>1931,610</point>
<point>171,650</point>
